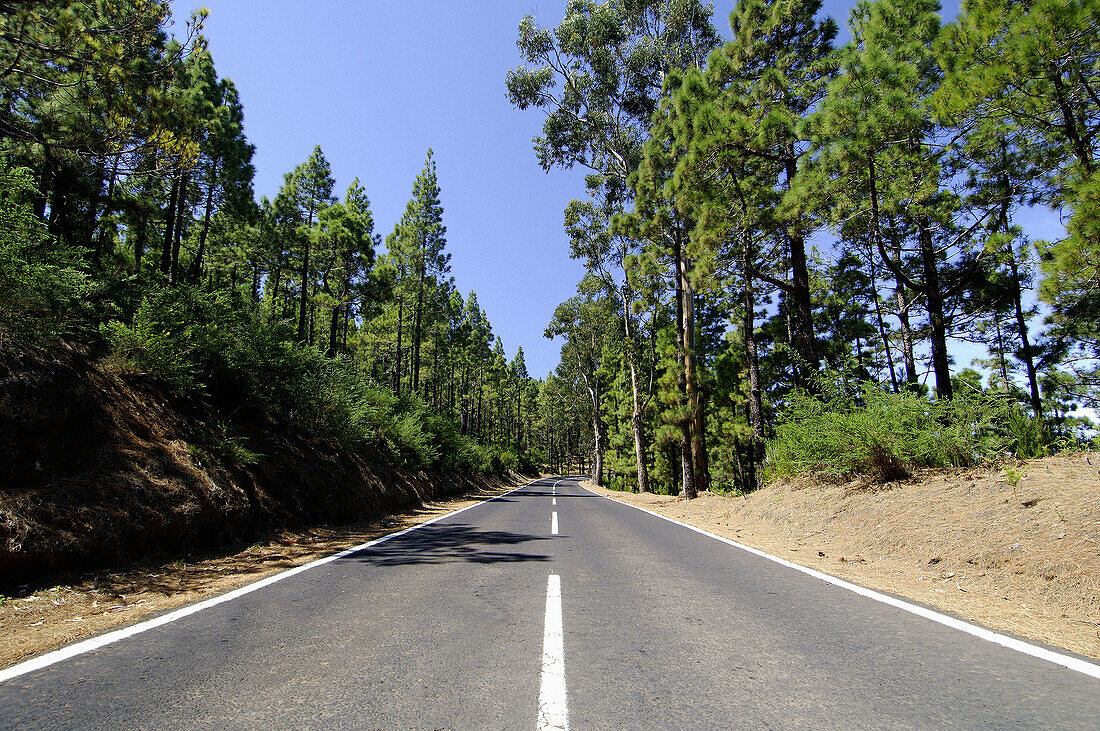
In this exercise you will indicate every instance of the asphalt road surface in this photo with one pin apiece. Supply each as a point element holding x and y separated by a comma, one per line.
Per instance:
<point>551,607</point>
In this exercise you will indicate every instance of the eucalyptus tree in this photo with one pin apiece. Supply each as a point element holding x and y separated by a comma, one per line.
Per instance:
<point>586,324</point>
<point>598,77</point>
<point>607,253</point>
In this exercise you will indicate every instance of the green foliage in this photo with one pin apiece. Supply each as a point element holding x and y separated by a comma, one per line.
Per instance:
<point>194,341</point>
<point>1029,436</point>
<point>42,286</point>
<point>164,338</point>
<point>1014,474</point>
<point>225,347</point>
<point>884,435</point>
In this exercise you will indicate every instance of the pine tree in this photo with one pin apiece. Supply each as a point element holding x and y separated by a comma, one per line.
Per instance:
<point>418,244</point>
<point>878,159</point>
<point>757,90</point>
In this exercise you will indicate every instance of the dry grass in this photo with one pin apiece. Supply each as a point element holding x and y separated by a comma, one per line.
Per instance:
<point>32,622</point>
<point>1021,558</point>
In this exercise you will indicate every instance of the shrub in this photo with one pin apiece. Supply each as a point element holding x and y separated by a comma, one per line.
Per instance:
<point>221,344</point>
<point>164,338</point>
<point>1029,436</point>
<point>42,285</point>
<point>884,435</point>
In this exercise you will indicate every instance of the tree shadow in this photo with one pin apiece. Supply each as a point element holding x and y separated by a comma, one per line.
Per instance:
<point>551,493</point>
<point>435,544</point>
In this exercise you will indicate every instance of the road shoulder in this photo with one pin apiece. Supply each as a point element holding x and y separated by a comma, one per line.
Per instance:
<point>39,621</point>
<point>844,541</point>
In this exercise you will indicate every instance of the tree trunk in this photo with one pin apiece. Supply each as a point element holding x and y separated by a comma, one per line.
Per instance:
<point>277,277</point>
<point>101,236</point>
<point>303,297</point>
<point>397,357</point>
<point>1070,121</point>
<point>435,370</point>
<point>636,424</point>
<point>334,331</point>
<point>756,398</point>
<point>899,282</point>
<point>1001,354</point>
<point>682,351</point>
<point>416,331</point>
<point>181,207</point>
<point>699,457</point>
<point>936,319</point>
<point>344,329</point>
<point>800,306</point>
<point>139,243</point>
<point>196,266</point>
<point>906,335</point>
<point>169,227</point>
<point>882,330</point>
<point>479,401</point>
<point>694,395</point>
<point>597,454</point>
<point>1017,296</point>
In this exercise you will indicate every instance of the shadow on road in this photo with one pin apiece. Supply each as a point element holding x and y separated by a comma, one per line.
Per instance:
<point>449,543</point>
<point>550,493</point>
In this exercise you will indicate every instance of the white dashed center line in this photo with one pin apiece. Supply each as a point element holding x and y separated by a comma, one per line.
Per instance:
<point>553,711</point>
<point>554,523</point>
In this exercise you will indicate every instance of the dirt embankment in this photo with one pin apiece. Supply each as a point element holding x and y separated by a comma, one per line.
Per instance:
<point>1022,558</point>
<point>99,469</point>
<point>120,498</point>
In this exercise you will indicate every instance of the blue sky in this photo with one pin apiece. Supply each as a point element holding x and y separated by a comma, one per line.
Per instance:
<point>377,83</point>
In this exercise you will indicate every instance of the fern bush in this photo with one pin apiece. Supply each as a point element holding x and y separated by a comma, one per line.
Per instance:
<point>884,435</point>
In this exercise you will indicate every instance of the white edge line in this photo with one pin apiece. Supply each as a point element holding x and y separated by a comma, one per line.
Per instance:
<point>94,643</point>
<point>1073,663</point>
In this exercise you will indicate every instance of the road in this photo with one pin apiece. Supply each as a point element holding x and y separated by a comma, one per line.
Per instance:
<point>545,608</point>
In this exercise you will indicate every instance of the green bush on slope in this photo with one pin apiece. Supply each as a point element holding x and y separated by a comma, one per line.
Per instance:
<point>885,435</point>
<point>42,286</point>
<point>215,342</point>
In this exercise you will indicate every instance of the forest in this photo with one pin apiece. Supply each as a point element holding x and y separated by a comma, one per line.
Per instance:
<point>130,226</point>
<point>783,236</point>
